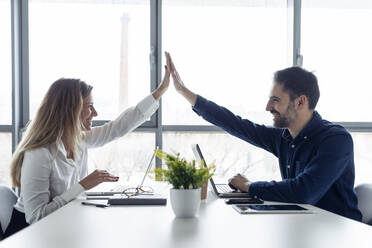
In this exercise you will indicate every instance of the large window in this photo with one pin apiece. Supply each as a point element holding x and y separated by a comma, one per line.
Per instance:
<point>336,44</point>
<point>106,45</point>
<point>5,63</point>
<point>225,51</point>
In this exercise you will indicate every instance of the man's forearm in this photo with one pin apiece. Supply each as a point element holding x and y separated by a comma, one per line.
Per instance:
<point>189,95</point>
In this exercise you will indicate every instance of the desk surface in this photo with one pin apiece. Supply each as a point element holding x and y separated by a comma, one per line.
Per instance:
<point>217,225</point>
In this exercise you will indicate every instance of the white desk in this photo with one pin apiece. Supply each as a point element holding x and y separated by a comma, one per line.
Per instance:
<point>217,225</point>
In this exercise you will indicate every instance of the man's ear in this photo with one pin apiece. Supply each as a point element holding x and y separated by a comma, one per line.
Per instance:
<point>301,102</point>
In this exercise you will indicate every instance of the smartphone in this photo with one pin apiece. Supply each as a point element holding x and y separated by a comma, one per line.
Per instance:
<point>244,201</point>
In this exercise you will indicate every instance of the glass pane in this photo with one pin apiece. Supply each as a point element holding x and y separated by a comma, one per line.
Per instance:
<point>6,156</point>
<point>127,157</point>
<point>106,45</point>
<point>336,44</point>
<point>5,63</point>
<point>231,155</point>
<point>227,52</point>
<point>362,157</point>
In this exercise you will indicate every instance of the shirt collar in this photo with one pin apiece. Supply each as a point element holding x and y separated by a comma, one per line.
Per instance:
<point>61,148</point>
<point>308,130</point>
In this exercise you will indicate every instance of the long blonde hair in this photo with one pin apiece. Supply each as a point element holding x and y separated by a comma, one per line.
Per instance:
<point>58,115</point>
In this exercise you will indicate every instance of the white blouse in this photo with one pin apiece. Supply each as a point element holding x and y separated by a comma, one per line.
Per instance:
<point>49,179</point>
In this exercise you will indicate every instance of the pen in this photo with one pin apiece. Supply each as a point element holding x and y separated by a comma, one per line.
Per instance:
<point>98,205</point>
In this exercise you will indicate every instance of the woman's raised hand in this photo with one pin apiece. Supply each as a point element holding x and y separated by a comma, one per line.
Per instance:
<point>163,86</point>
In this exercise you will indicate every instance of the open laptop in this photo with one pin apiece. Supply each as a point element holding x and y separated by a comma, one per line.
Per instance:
<point>120,189</point>
<point>221,190</point>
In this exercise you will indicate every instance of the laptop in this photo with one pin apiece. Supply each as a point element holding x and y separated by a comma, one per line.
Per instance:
<point>120,189</point>
<point>221,190</point>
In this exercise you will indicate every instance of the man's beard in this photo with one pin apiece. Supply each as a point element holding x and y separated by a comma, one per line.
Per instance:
<point>285,119</point>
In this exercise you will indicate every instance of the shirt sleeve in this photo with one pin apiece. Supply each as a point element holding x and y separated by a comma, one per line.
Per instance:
<point>317,177</point>
<point>257,135</point>
<point>35,182</point>
<point>127,121</point>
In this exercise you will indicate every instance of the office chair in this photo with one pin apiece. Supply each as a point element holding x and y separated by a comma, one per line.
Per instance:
<point>7,200</point>
<point>364,193</point>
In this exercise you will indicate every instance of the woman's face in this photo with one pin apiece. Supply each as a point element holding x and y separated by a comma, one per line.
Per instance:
<point>88,112</point>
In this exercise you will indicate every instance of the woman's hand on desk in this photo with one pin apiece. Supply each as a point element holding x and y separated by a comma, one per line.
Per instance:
<point>97,177</point>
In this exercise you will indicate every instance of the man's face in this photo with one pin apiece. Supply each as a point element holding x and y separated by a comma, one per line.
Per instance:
<point>88,112</point>
<point>281,107</point>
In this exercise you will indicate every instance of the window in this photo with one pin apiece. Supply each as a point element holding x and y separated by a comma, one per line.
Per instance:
<point>362,157</point>
<point>226,51</point>
<point>127,157</point>
<point>231,155</point>
<point>106,45</point>
<point>336,44</point>
<point>6,156</point>
<point>5,63</point>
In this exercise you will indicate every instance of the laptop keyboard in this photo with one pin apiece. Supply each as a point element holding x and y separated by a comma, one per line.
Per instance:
<point>224,188</point>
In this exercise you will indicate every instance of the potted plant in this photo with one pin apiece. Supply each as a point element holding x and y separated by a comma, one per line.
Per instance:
<point>187,180</point>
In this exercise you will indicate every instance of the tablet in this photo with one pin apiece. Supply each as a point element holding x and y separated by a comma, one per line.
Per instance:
<point>270,209</point>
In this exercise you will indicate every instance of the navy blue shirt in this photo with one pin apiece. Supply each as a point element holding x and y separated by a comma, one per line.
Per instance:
<point>317,166</point>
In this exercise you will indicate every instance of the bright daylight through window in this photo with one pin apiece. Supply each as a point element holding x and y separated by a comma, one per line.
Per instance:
<point>224,50</point>
<point>5,64</point>
<point>105,45</point>
<point>5,89</point>
<point>336,44</point>
<point>229,58</point>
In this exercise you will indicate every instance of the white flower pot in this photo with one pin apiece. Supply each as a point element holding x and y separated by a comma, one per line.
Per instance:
<point>185,202</point>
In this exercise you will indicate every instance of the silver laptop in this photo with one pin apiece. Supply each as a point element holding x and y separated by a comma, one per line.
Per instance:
<point>221,190</point>
<point>119,189</point>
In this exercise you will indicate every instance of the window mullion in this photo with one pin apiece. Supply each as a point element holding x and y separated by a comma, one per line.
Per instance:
<point>20,69</point>
<point>294,32</point>
<point>155,60</point>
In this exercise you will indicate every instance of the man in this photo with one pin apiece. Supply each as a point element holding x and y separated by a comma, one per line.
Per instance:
<point>316,157</point>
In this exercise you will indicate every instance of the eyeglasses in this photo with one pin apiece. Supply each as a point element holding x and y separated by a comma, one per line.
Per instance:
<point>144,190</point>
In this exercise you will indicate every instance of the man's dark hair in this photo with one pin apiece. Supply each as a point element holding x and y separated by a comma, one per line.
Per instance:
<point>297,81</point>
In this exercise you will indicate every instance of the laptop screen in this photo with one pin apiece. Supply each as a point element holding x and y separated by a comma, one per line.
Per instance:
<point>199,157</point>
<point>147,171</point>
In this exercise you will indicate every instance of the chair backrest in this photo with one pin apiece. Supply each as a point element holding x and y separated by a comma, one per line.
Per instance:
<point>364,193</point>
<point>7,200</point>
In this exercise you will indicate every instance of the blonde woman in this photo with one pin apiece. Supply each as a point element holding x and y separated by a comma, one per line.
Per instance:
<point>50,164</point>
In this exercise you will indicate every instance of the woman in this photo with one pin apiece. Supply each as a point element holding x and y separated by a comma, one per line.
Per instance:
<point>50,164</point>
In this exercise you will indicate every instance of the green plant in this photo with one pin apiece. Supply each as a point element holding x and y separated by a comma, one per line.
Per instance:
<point>181,173</point>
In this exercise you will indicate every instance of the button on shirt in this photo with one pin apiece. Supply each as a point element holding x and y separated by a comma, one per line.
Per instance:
<point>317,166</point>
<point>49,179</point>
